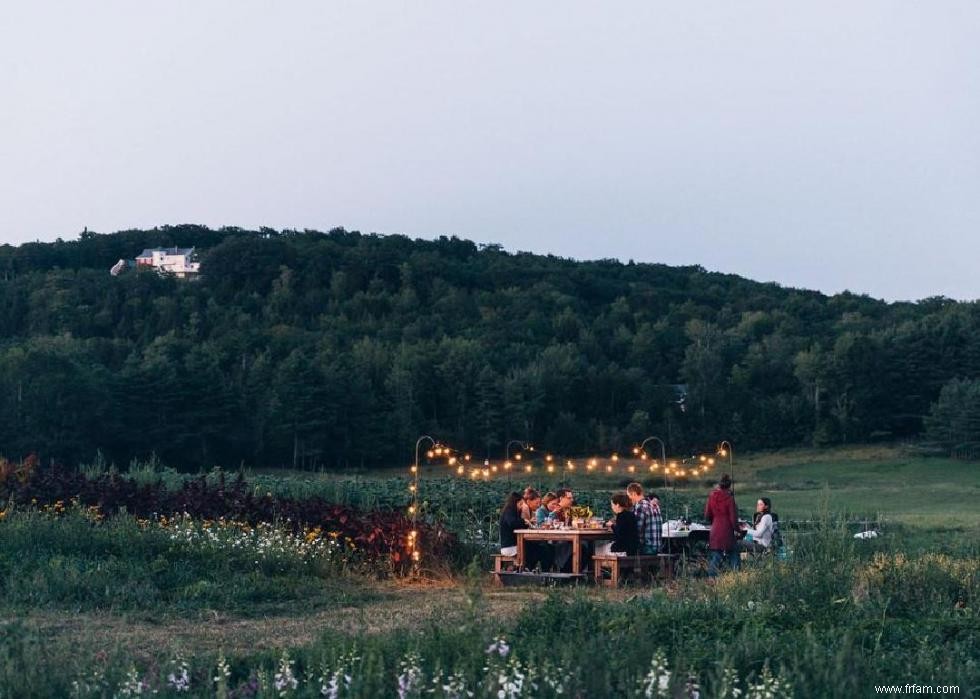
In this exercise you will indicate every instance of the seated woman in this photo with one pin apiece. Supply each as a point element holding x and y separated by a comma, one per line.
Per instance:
<point>510,520</point>
<point>759,536</point>
<point>527,513</point>
<point>548,504</point>
<point>626,539</point>
<point>532,501</point>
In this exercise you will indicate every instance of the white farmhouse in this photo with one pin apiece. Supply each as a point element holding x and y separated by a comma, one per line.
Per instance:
<point>177,261</point>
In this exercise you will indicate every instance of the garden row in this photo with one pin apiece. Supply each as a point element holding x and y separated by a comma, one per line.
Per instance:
<point>385,536</point>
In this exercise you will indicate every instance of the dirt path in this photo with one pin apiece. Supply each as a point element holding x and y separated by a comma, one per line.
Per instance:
<point>400,608</point>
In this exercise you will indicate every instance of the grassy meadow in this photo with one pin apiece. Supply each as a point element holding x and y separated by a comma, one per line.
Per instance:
<point>123,606</point>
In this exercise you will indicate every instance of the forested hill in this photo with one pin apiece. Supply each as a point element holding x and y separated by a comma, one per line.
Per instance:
<point>339,348</point>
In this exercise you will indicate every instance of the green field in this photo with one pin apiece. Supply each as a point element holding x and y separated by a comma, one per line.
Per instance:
<point>96,609</point>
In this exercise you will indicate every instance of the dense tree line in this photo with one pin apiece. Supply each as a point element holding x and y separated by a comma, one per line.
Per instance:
<point>339,348</point>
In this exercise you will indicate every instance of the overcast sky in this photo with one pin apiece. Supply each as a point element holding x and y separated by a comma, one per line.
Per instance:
<point>822,145</point>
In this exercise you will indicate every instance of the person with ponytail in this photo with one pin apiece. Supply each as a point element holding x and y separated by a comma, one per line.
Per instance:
<point>759,536</point>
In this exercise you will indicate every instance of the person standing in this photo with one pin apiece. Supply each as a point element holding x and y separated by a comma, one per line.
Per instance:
<point>721,512</point>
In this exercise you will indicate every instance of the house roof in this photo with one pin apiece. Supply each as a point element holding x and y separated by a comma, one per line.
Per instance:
<point>148,252</point>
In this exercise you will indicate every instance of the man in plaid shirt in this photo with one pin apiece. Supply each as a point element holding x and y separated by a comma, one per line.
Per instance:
<point>648,519</point>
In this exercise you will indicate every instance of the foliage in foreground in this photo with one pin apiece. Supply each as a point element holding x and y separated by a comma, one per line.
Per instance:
<point>831,622</point>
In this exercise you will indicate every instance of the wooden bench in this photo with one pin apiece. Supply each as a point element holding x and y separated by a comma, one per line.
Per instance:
<point>499,559</point>
<point>662,563</point>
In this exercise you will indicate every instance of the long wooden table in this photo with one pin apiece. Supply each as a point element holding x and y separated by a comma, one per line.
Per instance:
<point>575,536</point>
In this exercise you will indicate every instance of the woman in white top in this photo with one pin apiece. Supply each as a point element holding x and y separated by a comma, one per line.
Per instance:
<point>764,525</point>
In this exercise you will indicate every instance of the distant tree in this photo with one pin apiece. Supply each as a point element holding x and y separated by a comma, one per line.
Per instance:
<point>953,422</point>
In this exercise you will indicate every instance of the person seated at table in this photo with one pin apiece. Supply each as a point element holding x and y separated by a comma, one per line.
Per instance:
<point>648,520</point>
<point>526,512</point>
<point>563,513</point>
<point>548,504</point>
<point>626,539</point>
<point>531,502</point>
<point>510,520</point>
<point>759,536</point>
<point>563,510</point>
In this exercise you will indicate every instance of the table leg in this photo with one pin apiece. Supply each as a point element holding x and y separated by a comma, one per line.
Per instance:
<point>519,563</point>
<point>576,555</point>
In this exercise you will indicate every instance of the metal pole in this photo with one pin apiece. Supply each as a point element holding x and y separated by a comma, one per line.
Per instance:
<point>414,511</point>
<point>663,454</point>
<point>726,445</point>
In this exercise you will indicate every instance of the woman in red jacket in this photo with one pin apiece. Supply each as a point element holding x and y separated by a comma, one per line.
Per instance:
<point>720,511</point>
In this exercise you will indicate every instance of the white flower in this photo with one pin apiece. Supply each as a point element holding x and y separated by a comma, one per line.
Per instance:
<point>223,670</point>
<point>656,683</point>
<point>179,679</point>
<point>284,680</point>
<point>499,646</point>
<point>410,677</point>
<point>769,686</point>
<point>132,685</point>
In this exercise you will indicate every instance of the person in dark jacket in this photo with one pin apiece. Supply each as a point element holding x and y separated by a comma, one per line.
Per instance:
<point>510,519</point>
<point>720,511</point>
<point>626,538</point>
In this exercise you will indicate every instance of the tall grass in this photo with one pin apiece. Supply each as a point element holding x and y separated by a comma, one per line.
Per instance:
<point>72,562</point>
<point>833,621</point>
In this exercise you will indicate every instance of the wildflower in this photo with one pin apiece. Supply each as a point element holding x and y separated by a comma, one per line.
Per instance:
<point>221,676</point>
<point>729,688</point>
<point>132,685</point>
<point>555,678</point>
<point>284,680</point>
<point>769,686</point>
<point>409,676</point>
<point>499,646</point>
<point>656,683</point>
<point>451,686</point>
<point>180,679</point>
<point>511,680</point>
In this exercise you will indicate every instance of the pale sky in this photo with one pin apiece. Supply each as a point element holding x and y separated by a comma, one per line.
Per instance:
<point>826,145</point>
